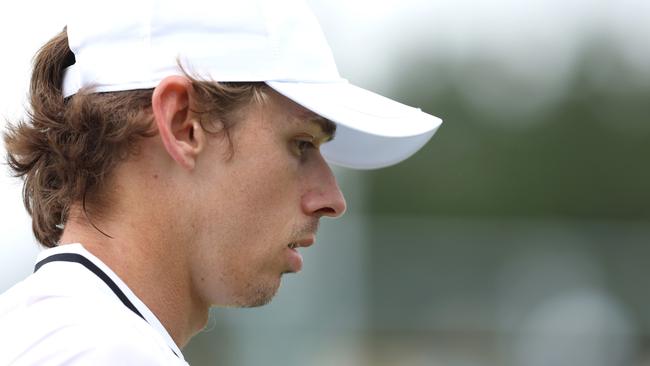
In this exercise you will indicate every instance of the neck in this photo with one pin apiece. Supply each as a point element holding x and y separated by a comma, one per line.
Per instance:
<point>152,265</point>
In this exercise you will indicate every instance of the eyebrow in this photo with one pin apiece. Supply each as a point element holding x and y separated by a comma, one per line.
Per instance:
<point>328,127</point>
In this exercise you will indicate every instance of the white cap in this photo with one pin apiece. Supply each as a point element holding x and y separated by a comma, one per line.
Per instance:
<point>125,45</point>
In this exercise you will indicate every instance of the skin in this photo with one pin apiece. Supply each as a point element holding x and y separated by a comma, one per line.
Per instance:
<point>195,224</point>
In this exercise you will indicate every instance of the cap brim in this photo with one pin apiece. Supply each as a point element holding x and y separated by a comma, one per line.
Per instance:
<point>372,131</point>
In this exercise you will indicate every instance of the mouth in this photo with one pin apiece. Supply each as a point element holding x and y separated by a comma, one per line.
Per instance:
<point>302,243</point>
<point>295,259</point>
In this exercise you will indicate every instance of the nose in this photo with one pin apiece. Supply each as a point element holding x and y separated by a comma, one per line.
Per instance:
<point>323,196</point>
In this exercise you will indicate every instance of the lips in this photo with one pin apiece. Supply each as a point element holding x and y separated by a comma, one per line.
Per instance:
<point>302,243</point>
<point>295,259</point>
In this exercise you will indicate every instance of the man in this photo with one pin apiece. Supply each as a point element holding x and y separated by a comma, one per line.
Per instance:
<point>175,159</point>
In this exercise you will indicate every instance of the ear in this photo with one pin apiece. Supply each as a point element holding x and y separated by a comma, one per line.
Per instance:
<point>181,134</point>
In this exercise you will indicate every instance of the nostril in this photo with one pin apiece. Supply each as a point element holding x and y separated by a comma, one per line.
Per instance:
<point>326,211</point>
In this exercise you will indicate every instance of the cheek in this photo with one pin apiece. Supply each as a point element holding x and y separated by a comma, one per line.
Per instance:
<point>251,210</point>
<point>267,191</point>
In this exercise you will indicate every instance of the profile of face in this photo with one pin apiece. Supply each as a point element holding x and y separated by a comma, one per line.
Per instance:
<point>251,210</point>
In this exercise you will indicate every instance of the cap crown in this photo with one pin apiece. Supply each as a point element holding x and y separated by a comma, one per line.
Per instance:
<point>122,45</point>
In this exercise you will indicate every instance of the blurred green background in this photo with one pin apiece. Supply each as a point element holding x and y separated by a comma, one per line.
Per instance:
<point>581,155</point>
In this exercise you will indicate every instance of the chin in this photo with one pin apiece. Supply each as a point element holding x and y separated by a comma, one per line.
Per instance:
<point>259,294</point>
<point>259,299</point>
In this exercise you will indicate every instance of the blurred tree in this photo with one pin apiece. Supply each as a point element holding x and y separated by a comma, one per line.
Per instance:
<point>582,155</point>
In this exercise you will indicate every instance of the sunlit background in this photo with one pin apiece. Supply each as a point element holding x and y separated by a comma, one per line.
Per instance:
<point>519,236</point>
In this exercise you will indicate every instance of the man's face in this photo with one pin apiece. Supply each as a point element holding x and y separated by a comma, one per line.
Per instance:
<point>254,207</point>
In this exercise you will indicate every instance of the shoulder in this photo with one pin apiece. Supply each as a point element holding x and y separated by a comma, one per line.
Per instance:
<point>78,345</point>
<point>71,330</point>
<point>109,350</point>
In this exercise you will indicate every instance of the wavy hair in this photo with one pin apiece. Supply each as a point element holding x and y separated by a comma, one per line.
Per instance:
<point>65,149</point>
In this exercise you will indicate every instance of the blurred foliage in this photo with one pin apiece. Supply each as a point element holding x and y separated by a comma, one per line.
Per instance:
<point>582,153</point>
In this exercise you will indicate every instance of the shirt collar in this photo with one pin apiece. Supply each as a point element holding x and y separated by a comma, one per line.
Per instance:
<point>142,308</point>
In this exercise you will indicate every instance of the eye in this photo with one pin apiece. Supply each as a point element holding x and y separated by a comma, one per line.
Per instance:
<point>303,146</point>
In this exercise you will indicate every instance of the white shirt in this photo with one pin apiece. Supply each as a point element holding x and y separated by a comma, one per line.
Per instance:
<point>64,314</point>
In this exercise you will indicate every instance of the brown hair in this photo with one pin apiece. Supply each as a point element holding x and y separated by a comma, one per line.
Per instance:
<point>66,148</point>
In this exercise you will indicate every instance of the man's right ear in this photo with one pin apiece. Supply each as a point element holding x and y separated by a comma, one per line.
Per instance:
<point>181,134</point>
